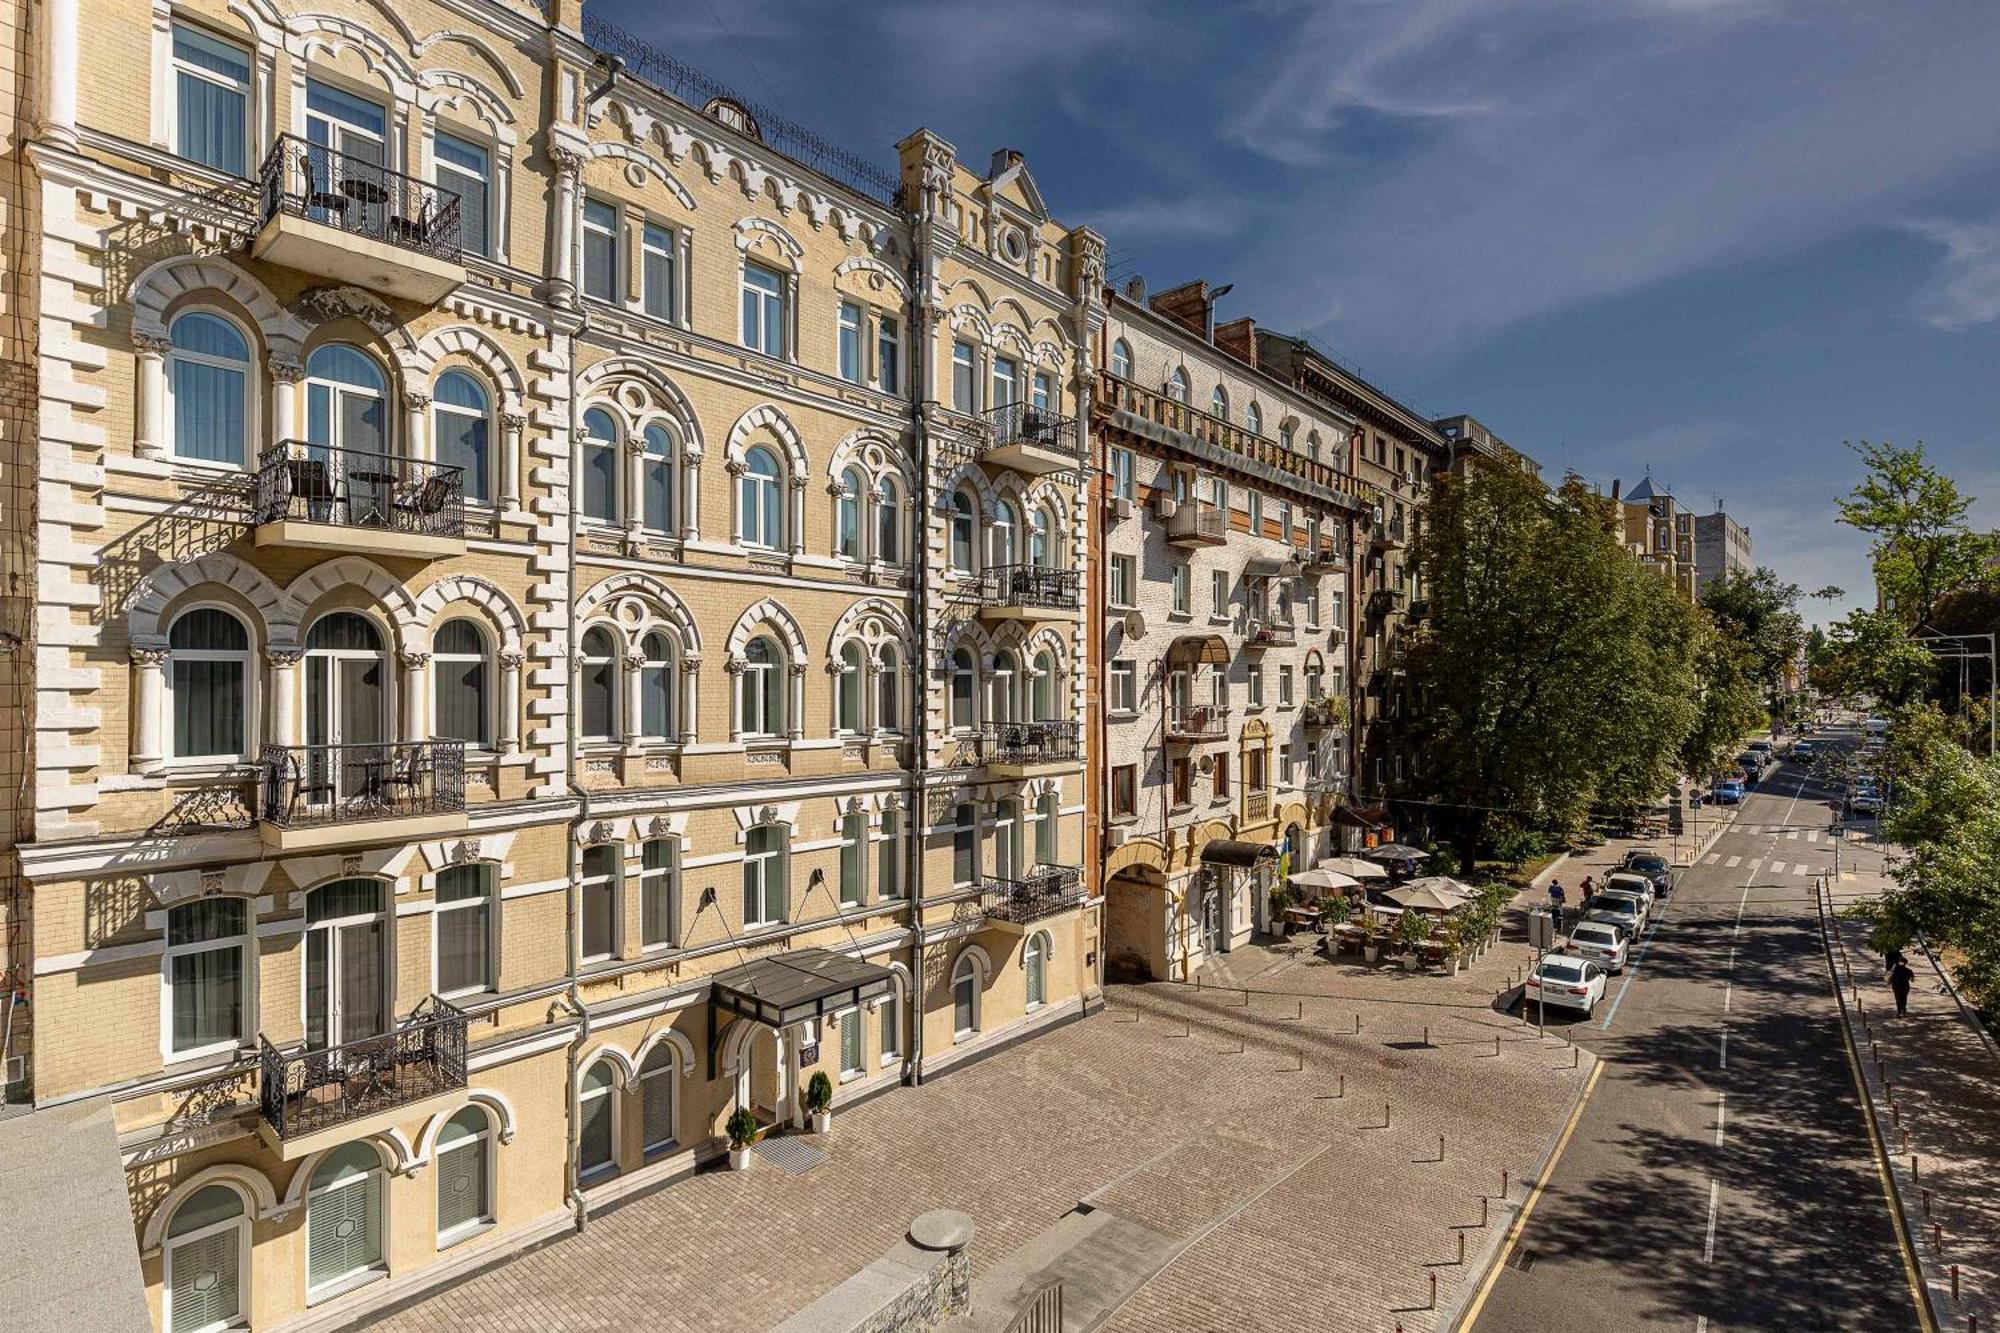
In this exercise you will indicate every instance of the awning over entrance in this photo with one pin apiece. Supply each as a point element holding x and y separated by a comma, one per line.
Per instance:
<point>792,987</point>
<point>1199,650</point>
<point>1230,852</point>
<point>1270,569</point>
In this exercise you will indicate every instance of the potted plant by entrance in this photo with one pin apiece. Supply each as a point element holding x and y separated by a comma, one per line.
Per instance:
<point>1283,898</point>
<point>1412,929</point>
<point>819,1100</point>
<point>742,1130</point>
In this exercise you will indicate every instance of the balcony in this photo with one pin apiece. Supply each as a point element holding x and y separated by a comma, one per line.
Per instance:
<point>1323,560</point>
<point>317,796</point>
<point>311,1099</point>
<point>1047,891</point>
<point>1384,600</point>
<point>1256,806</point>
<point>1197,524</point>
<point>1271,634</point>
<point>1389,536</point>
<point>1032,440</point>
<point>1325,714</point>
<point>1029,592</point>
<point>371,504</point>
<point>1192,723</point>
<point>1030,749</point>
<point>355,221</point>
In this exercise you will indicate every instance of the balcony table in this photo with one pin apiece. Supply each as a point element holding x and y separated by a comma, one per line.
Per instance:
<point>369,495</point>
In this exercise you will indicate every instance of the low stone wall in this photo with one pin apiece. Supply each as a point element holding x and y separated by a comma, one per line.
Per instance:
<point>919,1284</point>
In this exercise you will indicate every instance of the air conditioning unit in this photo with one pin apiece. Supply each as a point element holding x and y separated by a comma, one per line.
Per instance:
<point>1114,838</point>
<point>1121,508</point>
<point>1164,506</point>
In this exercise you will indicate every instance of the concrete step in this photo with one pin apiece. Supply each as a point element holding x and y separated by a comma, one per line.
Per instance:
<point>1099,1256</point>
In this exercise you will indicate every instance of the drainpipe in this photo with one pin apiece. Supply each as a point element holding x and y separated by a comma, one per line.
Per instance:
<point>572,942</point>
<point>916,818</point>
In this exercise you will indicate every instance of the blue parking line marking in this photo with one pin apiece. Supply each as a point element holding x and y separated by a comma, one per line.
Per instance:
<point>1633,971</point>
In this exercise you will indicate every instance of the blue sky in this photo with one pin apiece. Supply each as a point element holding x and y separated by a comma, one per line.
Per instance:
<point>1716,237</point>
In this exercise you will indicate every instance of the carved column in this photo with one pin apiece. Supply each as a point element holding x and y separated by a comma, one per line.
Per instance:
<point>509,739</point>
<point>285,377</point>
<point>634,721</point>
<point>563,226</point>
<point>59,119</point>
<point>150,411</point>
<point>796,519</point>
<point>149,696</point>
<point>511,427</point>
<point>734,666</point>
<point>284,694</point>
<point>689,717</point>
<point>416,674</point>
<point>416,417</point>
<point>635,488</point>
<point>795,721</point>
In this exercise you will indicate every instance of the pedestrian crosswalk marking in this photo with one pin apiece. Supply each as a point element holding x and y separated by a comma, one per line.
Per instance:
<point>1734,862</point>
<point>1793,836</point>
<point>1777,867</point>
<point>1813,836</point>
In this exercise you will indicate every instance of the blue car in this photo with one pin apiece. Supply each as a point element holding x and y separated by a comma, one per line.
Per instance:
<point>1729,792</point>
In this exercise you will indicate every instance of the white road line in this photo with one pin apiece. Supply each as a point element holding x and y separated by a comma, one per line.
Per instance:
<point>1793,836</point>
<point>1714,1200</point>
<point>1813,836</point>
<point>1777,867</point>
<point>1727,988</point>
<point>1734,862</point>
<point>1721,1105</point>
<point>1723,1063</point>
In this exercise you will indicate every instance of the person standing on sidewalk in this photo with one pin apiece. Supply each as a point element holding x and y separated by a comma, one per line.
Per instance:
<point>1556,899</point>
<point>1900,977</point>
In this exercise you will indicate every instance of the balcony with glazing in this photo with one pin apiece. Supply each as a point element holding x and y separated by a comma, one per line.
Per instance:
<point>1042,893</point>
<point>1030,749</point>
<point>317,796</point>
<point>1027,592</point>
<point>323,499</point>
<point>315,1097</point>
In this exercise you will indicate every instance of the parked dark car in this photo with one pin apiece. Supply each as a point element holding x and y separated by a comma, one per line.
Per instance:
<point>1645,861</point>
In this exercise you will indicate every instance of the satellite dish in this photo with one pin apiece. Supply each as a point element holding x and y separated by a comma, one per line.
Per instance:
<point>1135,625</point>
<point>1206,763</point>
<point>1135,289</point>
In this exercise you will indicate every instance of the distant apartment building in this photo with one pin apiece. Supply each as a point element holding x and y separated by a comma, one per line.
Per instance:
<point>1658,533</point>
<point>1721,548</point>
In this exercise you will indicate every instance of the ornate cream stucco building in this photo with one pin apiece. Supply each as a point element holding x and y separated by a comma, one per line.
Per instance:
<point>558,614</point>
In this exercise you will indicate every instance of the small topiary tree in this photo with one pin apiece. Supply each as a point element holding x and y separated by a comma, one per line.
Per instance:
<point>819,1093</point>
<point>741,1128</point>
<point>1413,928</point>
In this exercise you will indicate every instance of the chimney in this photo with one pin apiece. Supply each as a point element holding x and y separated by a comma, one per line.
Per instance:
<point>1615,487</point>
<point>1187,305</point>
<point>1004,158</point>
<point>1239,338</point>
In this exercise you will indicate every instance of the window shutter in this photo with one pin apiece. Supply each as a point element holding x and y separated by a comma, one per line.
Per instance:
<point>462,1186</point>
<point>850,1040</point>
<point>659,1110</point>
<point>205,1282</point>
<point>344,1235</point>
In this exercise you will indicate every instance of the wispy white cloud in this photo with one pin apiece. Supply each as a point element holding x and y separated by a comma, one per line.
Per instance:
<point>1194,217</point>
<point>1963,291</point>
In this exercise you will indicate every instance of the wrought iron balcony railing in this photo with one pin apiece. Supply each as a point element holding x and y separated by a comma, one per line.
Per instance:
<point>359,197</point>
<point>1044,892</point>
<point>1197,722</point>
<point>1036,427</point>
<point>1032,742</point>
<point>310,483</point>
<point>302,786</point>
<point>1030,586</point>
<point>303,1091</point>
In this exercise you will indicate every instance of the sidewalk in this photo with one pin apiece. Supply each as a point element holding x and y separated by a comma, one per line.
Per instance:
<point>1933,1086</point>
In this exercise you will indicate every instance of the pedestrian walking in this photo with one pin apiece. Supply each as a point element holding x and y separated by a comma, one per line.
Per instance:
<point>1892,960</point>
<point>1900,977</point>
<point>1557,897</point>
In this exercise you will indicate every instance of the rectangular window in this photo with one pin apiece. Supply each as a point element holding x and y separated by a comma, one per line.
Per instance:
<point>1254,685</point>
<point>1183,578</point>
<point>889,858</point>
<point>1312,606</point>
<point>1124,580</point>
<point>1123,484</point>
<point>657,263</point>
<point>1284,687</point>
<point>850,340</point>
<point>890,1019</point>
<point>851,1043</point>
<point>1256,503</point>
<point>1221,775</point>
<point>763,310</point>
<point>465,170</point>
<point>659,892</point>
<point>1125,790</point>
<point>1284,765</point>
<point>1124,686</point>
<point>600,902</point>
<point>206,943</point>
<point>965,847</point>
<point>1006,381</point>
<point>1183,781</point>
<point>1218,495</point>
<point>964,384</point>
<point>1044,392</point>
<point>853,833</point>
<point>600,250</point>
<point>462,928</point>
<point>211,101</point>
<point>1218,592</point>
<point>1285,521</point>
<point>888,354</point>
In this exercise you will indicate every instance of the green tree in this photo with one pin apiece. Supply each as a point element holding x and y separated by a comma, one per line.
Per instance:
<point>1760,611</point>
<point>1869,653</point>
<point>1923,548</point>
<point>1729,704</point>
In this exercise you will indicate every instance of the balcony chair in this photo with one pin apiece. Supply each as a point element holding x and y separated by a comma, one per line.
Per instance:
<point>411,776</point>
<point>420,505</point>
<point>310,480</point>
<point>302,785</point>
<point>317,197</point>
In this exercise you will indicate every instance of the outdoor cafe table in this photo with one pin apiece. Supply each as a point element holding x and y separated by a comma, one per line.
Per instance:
<point>1304,916</point>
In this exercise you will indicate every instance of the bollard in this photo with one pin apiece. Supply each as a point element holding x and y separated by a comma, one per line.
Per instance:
<point>1496,1045</point>
<point>1357,1025</point>
<point>1343,1085</point>
<point>1927,1202</point>
<point>1427,1034</point>
<point>1954,1283</point>
<point>1503,1183</point>
<point>1937,1237</point>
<point>1482,1210</point>
<point>1440,1147</point>
<point>1461,1249</point>
<point>1385,1115</point>
<point>1434,1295</point>
<point>1575,1054</point>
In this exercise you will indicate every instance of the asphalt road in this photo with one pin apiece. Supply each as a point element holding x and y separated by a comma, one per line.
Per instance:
<point>1721,1175</point>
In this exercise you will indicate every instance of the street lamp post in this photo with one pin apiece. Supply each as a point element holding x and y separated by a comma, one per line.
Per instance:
<point>1961,643</point>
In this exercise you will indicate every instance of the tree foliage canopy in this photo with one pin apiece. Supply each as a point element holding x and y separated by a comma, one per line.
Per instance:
<point>1923,547</point>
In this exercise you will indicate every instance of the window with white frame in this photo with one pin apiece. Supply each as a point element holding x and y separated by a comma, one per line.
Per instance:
<point>853,1044</point>
<point>889,857</point>
<point>202,1263</point>
<point>657,1076</point>
<point>963,687</point>
<point>1218,403</point>
<point>847,514</point>
<point>344,1220</point>
<point>764,875</point>
<point>599,899</point>
<point>965,988</point>
<point>888,521</point>
<point>464,1175</point>
<point>964,536</point>
<point>1044,393</point>
<point>889,1022</point>
<point>462,704</point>
<point>763,309</point>
<point>600,250</point>
<point>1123,483</point>
<point>761,688</point>
<point>658,279</point>
<point>1284,765</point>
<point>759,496</point>
<point>1182,583</point>
<point>1312,605</point>
<point>1285,686</point>
<point>1124,685</point>
<point>597,1122</point>
<point>1287,434</point>
<point>1256,504</point>
<point>1006,381</point>
<point>209,388</point>
<point>659,892</point>
<point>1121,359</point>
<point>466,169</point>
<point>964,844</point>
<point>597,685</point>
<point>656,687</point>
<point>206,971</point>
<point>1285,521</point>
<point>888,354</point>
<point>1124,580</point>
<point>461,424</point>
<point>964,378</point>
<point>1253,417</point>
<point>463,924</point>
<point>1253,685</point>
<point>211,101</point>
<point>889,689</point>
<point>847,689</point>
<point>1218,592</point>
<point>598,465</point>
<point>1048,829</point>
<point>658,451</point>
<point>1035,969</point>
<point>851,336</point>
<point>208,683</point>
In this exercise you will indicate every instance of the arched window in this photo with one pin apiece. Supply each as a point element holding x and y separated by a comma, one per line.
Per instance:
<point>888,522</point>
<point>1006,686</point>
<point>1006,530</point>
<point>964,682</point>
<point>1177,386</point>
<point>1048,842</point>
<point>758,492</point>
<point>204,1257</point>
<point>344,1218</point>
<point>209,384</point>
<point>1041,538</point>
<point>847,514</point>
<point>463,428</point>
<point>597,1118</point>
<point>1007,839</point>
<point>599,466</point>
<point>656,1097</point>
<point>206,976</point>
<point>1312,445</point>
<point>964,532</point>
<point>847,693</point>
<point>1035,967</point>
<point>347,403</point>
<point>461,683</point>
<point>889,690</point>
<point>208,685</point>
<point>1121,359</point>
<point>1288,434</point>
<point>1218,403</point>
<point>599,901</point>
<point>764,875</point>
<point>965,988</point>
<point>1253,417</point>
<point>656,687</point>
<point>762,697</point>
<point>465,1175</point>
<point>1045,687</point>
<point>597,682</point>
<point>656,478</point>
